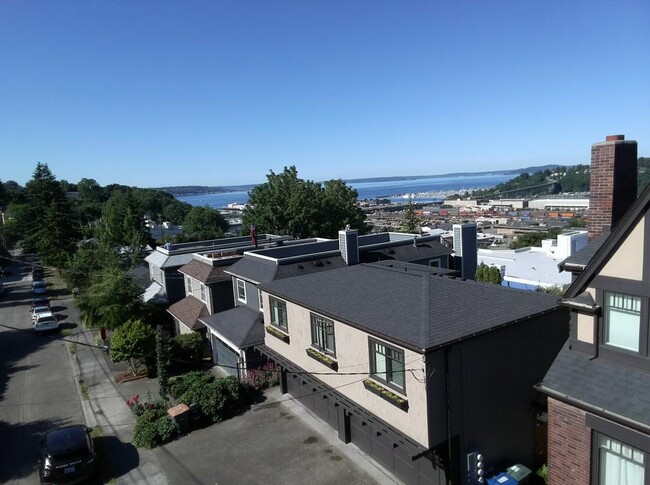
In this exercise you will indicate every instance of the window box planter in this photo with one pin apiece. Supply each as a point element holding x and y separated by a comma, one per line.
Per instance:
<point>323,359</point>
<point>278,334</point>
<point>386,395</point>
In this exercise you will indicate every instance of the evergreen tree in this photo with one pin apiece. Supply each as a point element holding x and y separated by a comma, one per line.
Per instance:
<point>410,222</point>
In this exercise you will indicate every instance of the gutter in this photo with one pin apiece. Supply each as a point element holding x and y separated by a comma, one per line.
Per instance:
<point>602,412</point>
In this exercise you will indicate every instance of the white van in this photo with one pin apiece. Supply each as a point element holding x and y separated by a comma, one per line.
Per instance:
<point>45,321</point>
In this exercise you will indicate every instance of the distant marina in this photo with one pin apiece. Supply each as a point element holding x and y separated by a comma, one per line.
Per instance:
<point>425,190</point>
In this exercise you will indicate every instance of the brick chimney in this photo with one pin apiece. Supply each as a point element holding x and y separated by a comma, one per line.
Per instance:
<point>613,183</point>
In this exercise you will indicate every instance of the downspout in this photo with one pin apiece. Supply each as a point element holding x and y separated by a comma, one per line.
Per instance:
<point>448,405</point>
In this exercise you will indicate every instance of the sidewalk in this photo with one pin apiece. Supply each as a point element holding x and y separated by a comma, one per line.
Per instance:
<point>106,407</point>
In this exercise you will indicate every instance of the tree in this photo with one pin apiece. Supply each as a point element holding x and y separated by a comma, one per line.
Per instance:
<point>203,223</point>
<point>287,204</point>
<point>133,343</point>
<point>533,239</point>
<point>162,360</point>
<point>488,274</point>
<point>410,222</point>
<point>90,259</point>
<point>111,300</point>
<point>47,222</point>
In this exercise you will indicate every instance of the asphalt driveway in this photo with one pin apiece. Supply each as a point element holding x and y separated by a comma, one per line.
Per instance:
<point>269,444</point>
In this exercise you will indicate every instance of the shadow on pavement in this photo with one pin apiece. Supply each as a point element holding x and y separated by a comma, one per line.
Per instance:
<point>14,346</point>
<point>116,458</point>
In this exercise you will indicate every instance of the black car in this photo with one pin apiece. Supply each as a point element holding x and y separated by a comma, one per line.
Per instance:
<point>68,456</point>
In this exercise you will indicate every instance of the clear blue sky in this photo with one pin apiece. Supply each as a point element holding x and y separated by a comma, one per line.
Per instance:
<point>154,93</point>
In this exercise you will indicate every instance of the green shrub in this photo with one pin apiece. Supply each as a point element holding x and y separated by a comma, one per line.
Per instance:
<point>181,384</point>
<point>267,376</point>
<point>187,347</point>
<point>153,427</point>
<point>218,399</point>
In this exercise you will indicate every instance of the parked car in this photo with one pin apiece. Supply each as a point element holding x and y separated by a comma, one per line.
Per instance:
<point>45,321</point>
<point>2,289</point>
<point>68,456</point>
<point>41,300</point>
<point>39,287</point>
<point>38,310</point>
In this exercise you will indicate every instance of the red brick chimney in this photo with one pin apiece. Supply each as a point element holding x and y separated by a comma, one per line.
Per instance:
<point>613,183</point>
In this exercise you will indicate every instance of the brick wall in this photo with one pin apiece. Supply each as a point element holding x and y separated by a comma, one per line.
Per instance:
<point>569,445</point>
<point>613,183</point>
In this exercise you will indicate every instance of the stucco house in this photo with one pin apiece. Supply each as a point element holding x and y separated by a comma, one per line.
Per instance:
<point>418,369</point>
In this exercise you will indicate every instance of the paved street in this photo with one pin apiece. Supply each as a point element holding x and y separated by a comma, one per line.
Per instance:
<point>276,441</point>
<point>37,390</point>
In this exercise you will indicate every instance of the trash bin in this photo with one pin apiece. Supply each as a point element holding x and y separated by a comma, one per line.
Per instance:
<point>196,416</point>
<point>519,473</point>
<point>502,479</point>
<point>181,417</point>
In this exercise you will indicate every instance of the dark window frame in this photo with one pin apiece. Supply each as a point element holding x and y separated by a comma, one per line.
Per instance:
<point>281,304</point>
<point>319,326</point>
<point>387,380</point>
<point>595,457</point>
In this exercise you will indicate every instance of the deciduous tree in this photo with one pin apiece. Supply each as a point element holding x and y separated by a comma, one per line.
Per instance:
<point>133,342</point>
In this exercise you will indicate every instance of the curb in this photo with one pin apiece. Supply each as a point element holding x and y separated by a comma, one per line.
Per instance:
<point>86,408</point>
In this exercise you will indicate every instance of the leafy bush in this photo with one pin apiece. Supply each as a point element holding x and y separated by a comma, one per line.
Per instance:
<point>218,398</point>
<point>133,342</point>
<point>182,383</point>
<point>187,347</point>
<point>153,427</point>
<point>267,376</point>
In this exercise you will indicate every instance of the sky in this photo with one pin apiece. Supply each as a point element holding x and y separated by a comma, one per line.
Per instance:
<point>158,93</point>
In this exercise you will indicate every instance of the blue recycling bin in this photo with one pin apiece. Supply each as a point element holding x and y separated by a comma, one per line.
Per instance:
<point>502,479</point>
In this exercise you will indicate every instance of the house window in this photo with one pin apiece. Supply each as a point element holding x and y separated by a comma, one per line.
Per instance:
<point>387,365</point>
<point>435,263</point>
<point>261,299</point>
<point>188,282</point>
<point>619,464</point>
<point>202,292</point>
<point>241,290</point>
<point>278,313</point>
<point>322,334</point>
<point>622,321</point>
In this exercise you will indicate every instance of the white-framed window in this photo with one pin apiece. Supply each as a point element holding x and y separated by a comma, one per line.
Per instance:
<point>241,290</point>
<point>435,263</point>
<point>279,313</point>
<point>259,292</point>
<point>620,464</point>
<point>387,365</point>
<point>203,292</point>
<point>622,321</point>
<point>322,334</point>
<point>188,285</point>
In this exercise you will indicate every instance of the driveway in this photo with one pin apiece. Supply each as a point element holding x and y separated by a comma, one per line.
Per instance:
<point>269,444</point>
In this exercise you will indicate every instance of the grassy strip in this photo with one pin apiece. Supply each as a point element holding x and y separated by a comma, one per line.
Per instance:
<point>72,348</point>
<point>83,388</point>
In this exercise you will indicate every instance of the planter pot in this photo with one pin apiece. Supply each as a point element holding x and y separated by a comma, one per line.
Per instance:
<point>323,359</point>
<point>386,395</point>
<point>278,334</point>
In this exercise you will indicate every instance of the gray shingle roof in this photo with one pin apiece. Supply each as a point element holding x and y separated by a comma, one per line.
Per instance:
<point>411,306</point>
<point>581,259</point>
<point>241,325</point>
<point>204,272</point>
<point>189,310</point>
<point>156,258</point>
<point>605,384</point>
<point>407,252</point>
<point>254,269</point>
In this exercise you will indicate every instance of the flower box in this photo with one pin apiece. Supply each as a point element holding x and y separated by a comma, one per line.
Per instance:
<point>323,359</point>
<point>386,395</point>
<point>278,334</point>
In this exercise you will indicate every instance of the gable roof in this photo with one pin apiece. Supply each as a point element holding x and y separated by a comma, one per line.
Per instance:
<point>205,273</point>
<point>408,304</point>
<point>610,387</point>
<point>188,311</point>
<point>611,244</point>
<point>241,325</point>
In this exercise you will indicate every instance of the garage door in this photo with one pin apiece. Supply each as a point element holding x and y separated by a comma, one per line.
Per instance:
<point>224,356</point>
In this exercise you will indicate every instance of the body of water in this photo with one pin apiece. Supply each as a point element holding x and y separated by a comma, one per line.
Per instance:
<point>421,190</point>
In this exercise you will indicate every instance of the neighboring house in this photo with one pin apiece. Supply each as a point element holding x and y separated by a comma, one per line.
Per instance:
<point>599,385</point>
<point>207,290</point>
<point>234,333</point>
<point>533,268</point>
<point>418,369</point>
<point>165,261</point>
